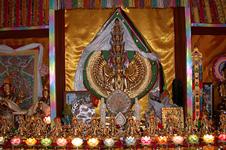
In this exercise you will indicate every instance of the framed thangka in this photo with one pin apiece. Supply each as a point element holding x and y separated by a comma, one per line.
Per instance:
<point>208,98</point>
<point>173,118</point>
<point>18,78</point>
<point>80,104</point>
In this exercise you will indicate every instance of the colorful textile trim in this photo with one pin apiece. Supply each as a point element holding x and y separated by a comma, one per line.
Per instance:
<point>21,13</point>
<point>69,4</point>
<point>208,11</point>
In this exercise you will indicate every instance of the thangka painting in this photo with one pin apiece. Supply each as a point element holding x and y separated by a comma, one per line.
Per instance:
<point>19,69</point>
<point>81,105</point>
<point>208,98</point>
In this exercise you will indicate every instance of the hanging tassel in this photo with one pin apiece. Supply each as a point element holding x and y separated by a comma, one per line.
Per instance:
<point>102,113</point>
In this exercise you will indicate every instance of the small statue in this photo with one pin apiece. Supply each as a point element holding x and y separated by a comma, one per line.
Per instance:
<point>94,128</point>
<point>57,129</point>
<point>106,132</point>
<point>6,126</point>
<point>152,124</point>
<point>76,127</point>
<point>113,128</point>
<point>22,125</point>
<point>132,129</point>
<point>223,122</point>
<point>205,124</point>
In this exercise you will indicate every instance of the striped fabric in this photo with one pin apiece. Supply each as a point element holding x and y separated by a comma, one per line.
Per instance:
<point>27,13</point>
<point>23,13</point>
<point>208,11</point>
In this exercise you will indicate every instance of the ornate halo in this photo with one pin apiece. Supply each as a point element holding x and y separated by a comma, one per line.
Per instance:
<point>118,101</point>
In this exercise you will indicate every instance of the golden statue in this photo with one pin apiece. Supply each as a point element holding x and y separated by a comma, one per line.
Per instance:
<point>132,128</point>
<point>152,124</point>
<point>118,69</point>
<point>56,131</point>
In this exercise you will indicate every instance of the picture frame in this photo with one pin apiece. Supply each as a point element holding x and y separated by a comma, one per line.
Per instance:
<point>208,96</point>
<point>173,116</point>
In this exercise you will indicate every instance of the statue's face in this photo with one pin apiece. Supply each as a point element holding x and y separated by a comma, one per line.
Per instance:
<point>45,93</point>
<point>118,48</point>
<point>6,89</point>
<point>117,37</point>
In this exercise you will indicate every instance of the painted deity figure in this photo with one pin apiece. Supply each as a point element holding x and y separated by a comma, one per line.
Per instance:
<point>8,101</point>
<point>41,107</point>
<point>222,90</point>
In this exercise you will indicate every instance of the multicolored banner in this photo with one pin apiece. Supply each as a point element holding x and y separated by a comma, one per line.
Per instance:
<point>208,11</point>
<point>21,13</point>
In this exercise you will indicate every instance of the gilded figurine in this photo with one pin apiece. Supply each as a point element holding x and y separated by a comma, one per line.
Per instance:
<point>152,124</point>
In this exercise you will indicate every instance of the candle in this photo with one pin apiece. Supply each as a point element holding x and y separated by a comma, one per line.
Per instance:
<point>15,141</point>
<point>146,140</point>
<point>2,140</point>
<point>193,139</point>
<point>162,140</point>
<point>208,138</point>
<point>46,141</point>
<point>93,142</point>
<point>61,142</point>
<point>109,142</point>
<point>31,141</point>
<point>222,137</point>
<point>77,142</point>
<point>130,141</point>
<point>178,140</point>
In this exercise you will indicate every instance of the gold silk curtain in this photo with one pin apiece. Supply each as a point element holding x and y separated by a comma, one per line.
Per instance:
<point>156,25</point>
